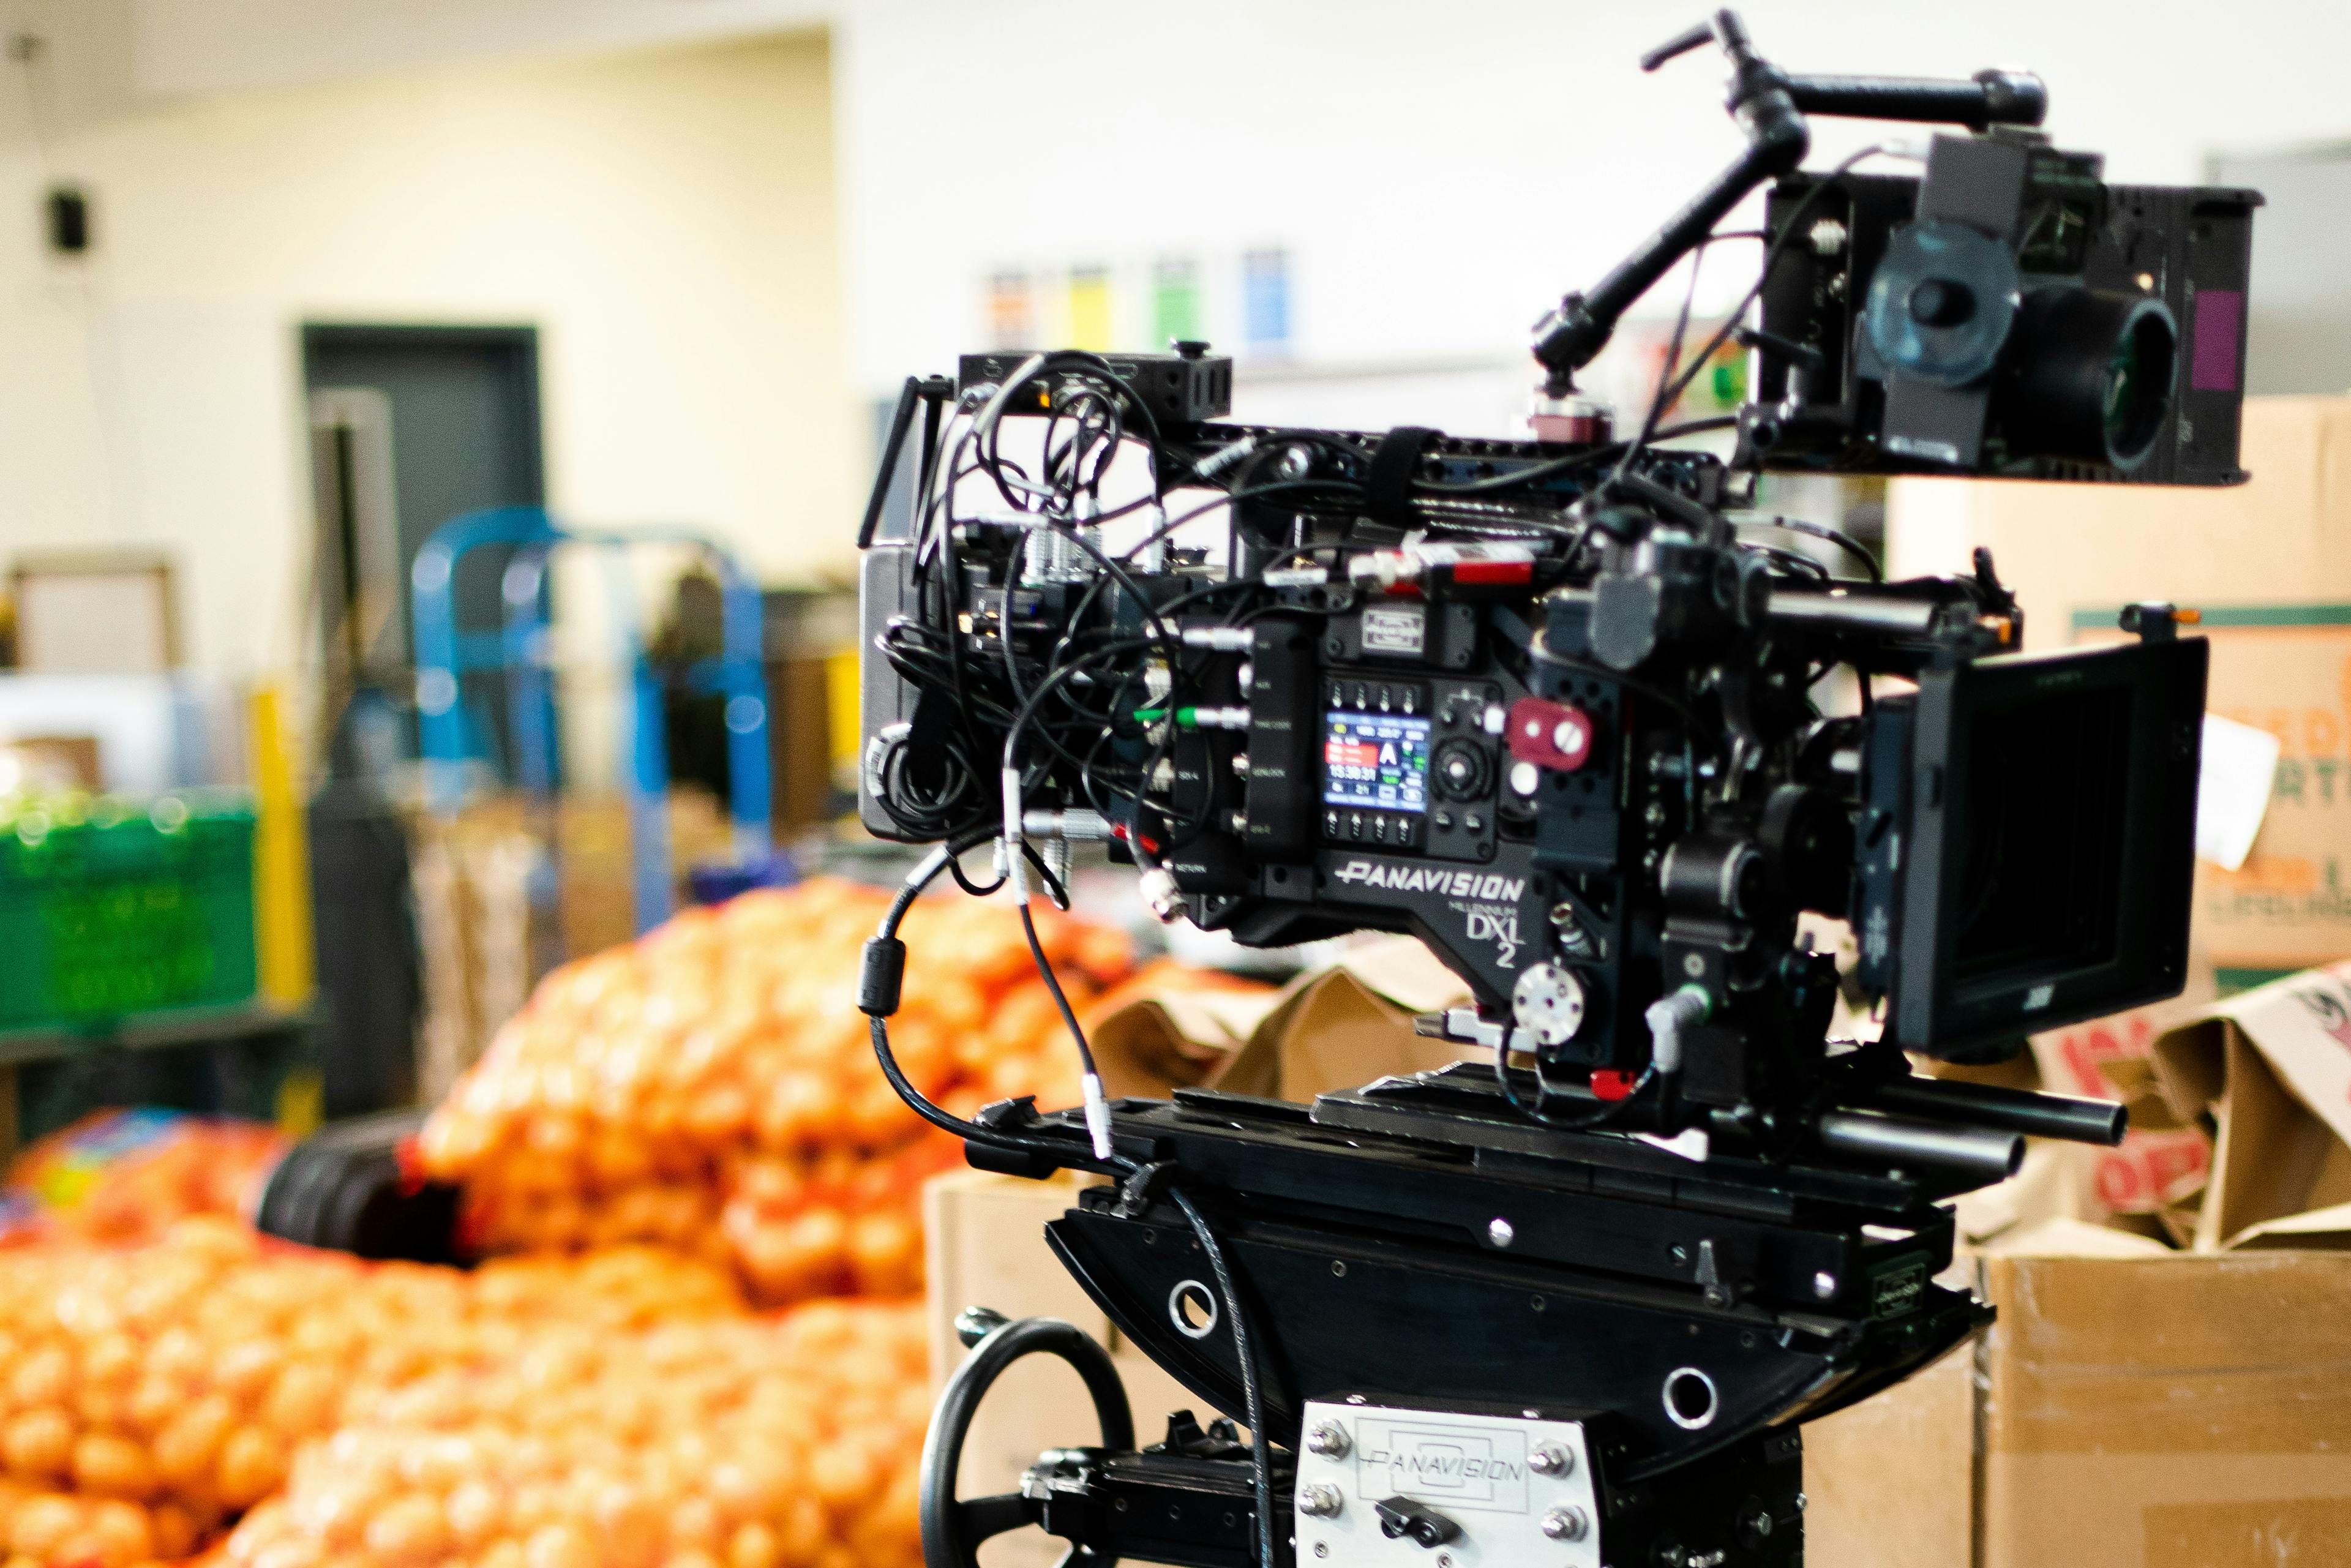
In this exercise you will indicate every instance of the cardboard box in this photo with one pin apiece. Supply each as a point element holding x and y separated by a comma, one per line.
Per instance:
<point>2269,565</point>
<point>2272,1068</point>
<point>1331,1029</point>
<point>1890,1482</point>
<point>2163,1159</point>
<point>2150,1412</point>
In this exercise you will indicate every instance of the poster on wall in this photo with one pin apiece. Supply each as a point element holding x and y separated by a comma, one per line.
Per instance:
<point>1244,303</point>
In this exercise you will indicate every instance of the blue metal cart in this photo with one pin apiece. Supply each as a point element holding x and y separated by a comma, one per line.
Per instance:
<point>454,733</point>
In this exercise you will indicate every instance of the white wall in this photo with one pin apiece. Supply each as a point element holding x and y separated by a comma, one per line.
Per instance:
<point>192,46</point>
<point>1440,174</point>
<point>665,218</point>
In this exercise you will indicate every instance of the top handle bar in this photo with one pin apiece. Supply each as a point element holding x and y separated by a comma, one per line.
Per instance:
<point>1992,97</point>
<point>1769,107</point>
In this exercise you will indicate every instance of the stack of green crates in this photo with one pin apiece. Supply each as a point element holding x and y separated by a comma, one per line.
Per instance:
<point>111,912</point>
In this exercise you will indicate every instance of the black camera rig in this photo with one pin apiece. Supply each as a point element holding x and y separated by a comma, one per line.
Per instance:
<point>1552,707</point>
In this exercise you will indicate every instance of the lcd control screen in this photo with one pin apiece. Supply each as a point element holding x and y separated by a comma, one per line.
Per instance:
<point>1375,761</point>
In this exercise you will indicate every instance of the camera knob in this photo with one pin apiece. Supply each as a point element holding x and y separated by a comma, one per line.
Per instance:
<point>1462,772</point>
<point>1548,1003</point>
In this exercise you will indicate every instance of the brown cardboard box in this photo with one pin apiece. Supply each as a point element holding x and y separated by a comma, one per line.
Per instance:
<point>2286,669</point>
<point>2283,538</point>
<point>2124,1412</point>
<point>1331,1029</point>
<point>2135,1406</point>
<point>2166,1411</point>
<point>2164,1156</point>
<point>2273,1066</point>
<point>1890,1482</point>
<point>2269,564</point>
<point>1175,1038</point>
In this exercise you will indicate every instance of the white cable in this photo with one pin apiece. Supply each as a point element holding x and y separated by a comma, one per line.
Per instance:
<point>1097,1114</point>
<point>1016,872</point>
<point>930,866</point>
<point>1667,1018</point>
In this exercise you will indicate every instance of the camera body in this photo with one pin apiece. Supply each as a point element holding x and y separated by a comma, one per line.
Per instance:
<point>1593,777</point>
<point>1575,714</point>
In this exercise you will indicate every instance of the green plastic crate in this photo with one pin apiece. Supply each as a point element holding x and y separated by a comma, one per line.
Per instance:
<point>121,914</point>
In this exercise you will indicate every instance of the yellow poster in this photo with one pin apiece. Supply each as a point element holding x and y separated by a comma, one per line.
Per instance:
<point>1090,324</point>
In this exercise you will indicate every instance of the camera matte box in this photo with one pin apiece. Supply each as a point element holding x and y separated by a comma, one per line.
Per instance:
<point>2047,870</point>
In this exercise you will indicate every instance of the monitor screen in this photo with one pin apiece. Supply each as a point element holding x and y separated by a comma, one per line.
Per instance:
<point>1375,761</point>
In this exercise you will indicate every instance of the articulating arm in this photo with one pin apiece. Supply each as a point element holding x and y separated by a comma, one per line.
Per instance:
<point>1769,106</point>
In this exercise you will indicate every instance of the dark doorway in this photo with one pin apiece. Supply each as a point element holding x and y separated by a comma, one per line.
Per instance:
<point>410,427</point>
<point>463,411</point>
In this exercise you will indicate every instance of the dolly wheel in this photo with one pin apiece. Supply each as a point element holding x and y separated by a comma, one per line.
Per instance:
<point>952,1528</point>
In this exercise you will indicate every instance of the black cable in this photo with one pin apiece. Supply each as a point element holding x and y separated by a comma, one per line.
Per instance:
<point>1169,527</point>
<point>1837,537</point>
<point>963,879</point>
<point>1796,562</point>
<point>1609,1110</point>
<point>1788,231</point>
<point>1673,358</point>
<point>1059,1151</point>
<point>1252,1395</point>
<point>1061,999</point>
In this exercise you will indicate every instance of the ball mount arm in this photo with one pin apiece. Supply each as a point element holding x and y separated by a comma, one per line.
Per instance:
<point>1769,107</point>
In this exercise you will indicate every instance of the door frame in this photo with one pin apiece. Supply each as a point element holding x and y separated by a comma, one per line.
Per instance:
<point>320,337</point>
<point>516,345</point>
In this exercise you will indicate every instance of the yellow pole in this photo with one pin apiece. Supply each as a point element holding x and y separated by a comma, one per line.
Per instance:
<point>281,859</point>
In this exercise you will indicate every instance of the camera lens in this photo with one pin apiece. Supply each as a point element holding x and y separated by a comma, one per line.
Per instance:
<point>1941,302</point>
<point>2094,373</point>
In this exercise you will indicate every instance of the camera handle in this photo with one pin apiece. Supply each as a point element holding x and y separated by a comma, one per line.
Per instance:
<point>1769,106</point>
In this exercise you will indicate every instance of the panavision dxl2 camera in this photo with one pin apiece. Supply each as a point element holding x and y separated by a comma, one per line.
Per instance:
<point>1568,710</point>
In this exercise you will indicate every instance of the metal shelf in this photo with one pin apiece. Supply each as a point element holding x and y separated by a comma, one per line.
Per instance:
<point>157,1030</point>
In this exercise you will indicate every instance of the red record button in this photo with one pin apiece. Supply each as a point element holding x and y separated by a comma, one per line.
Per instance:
<point>1550,734</point>
<point>1609,1085</point>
